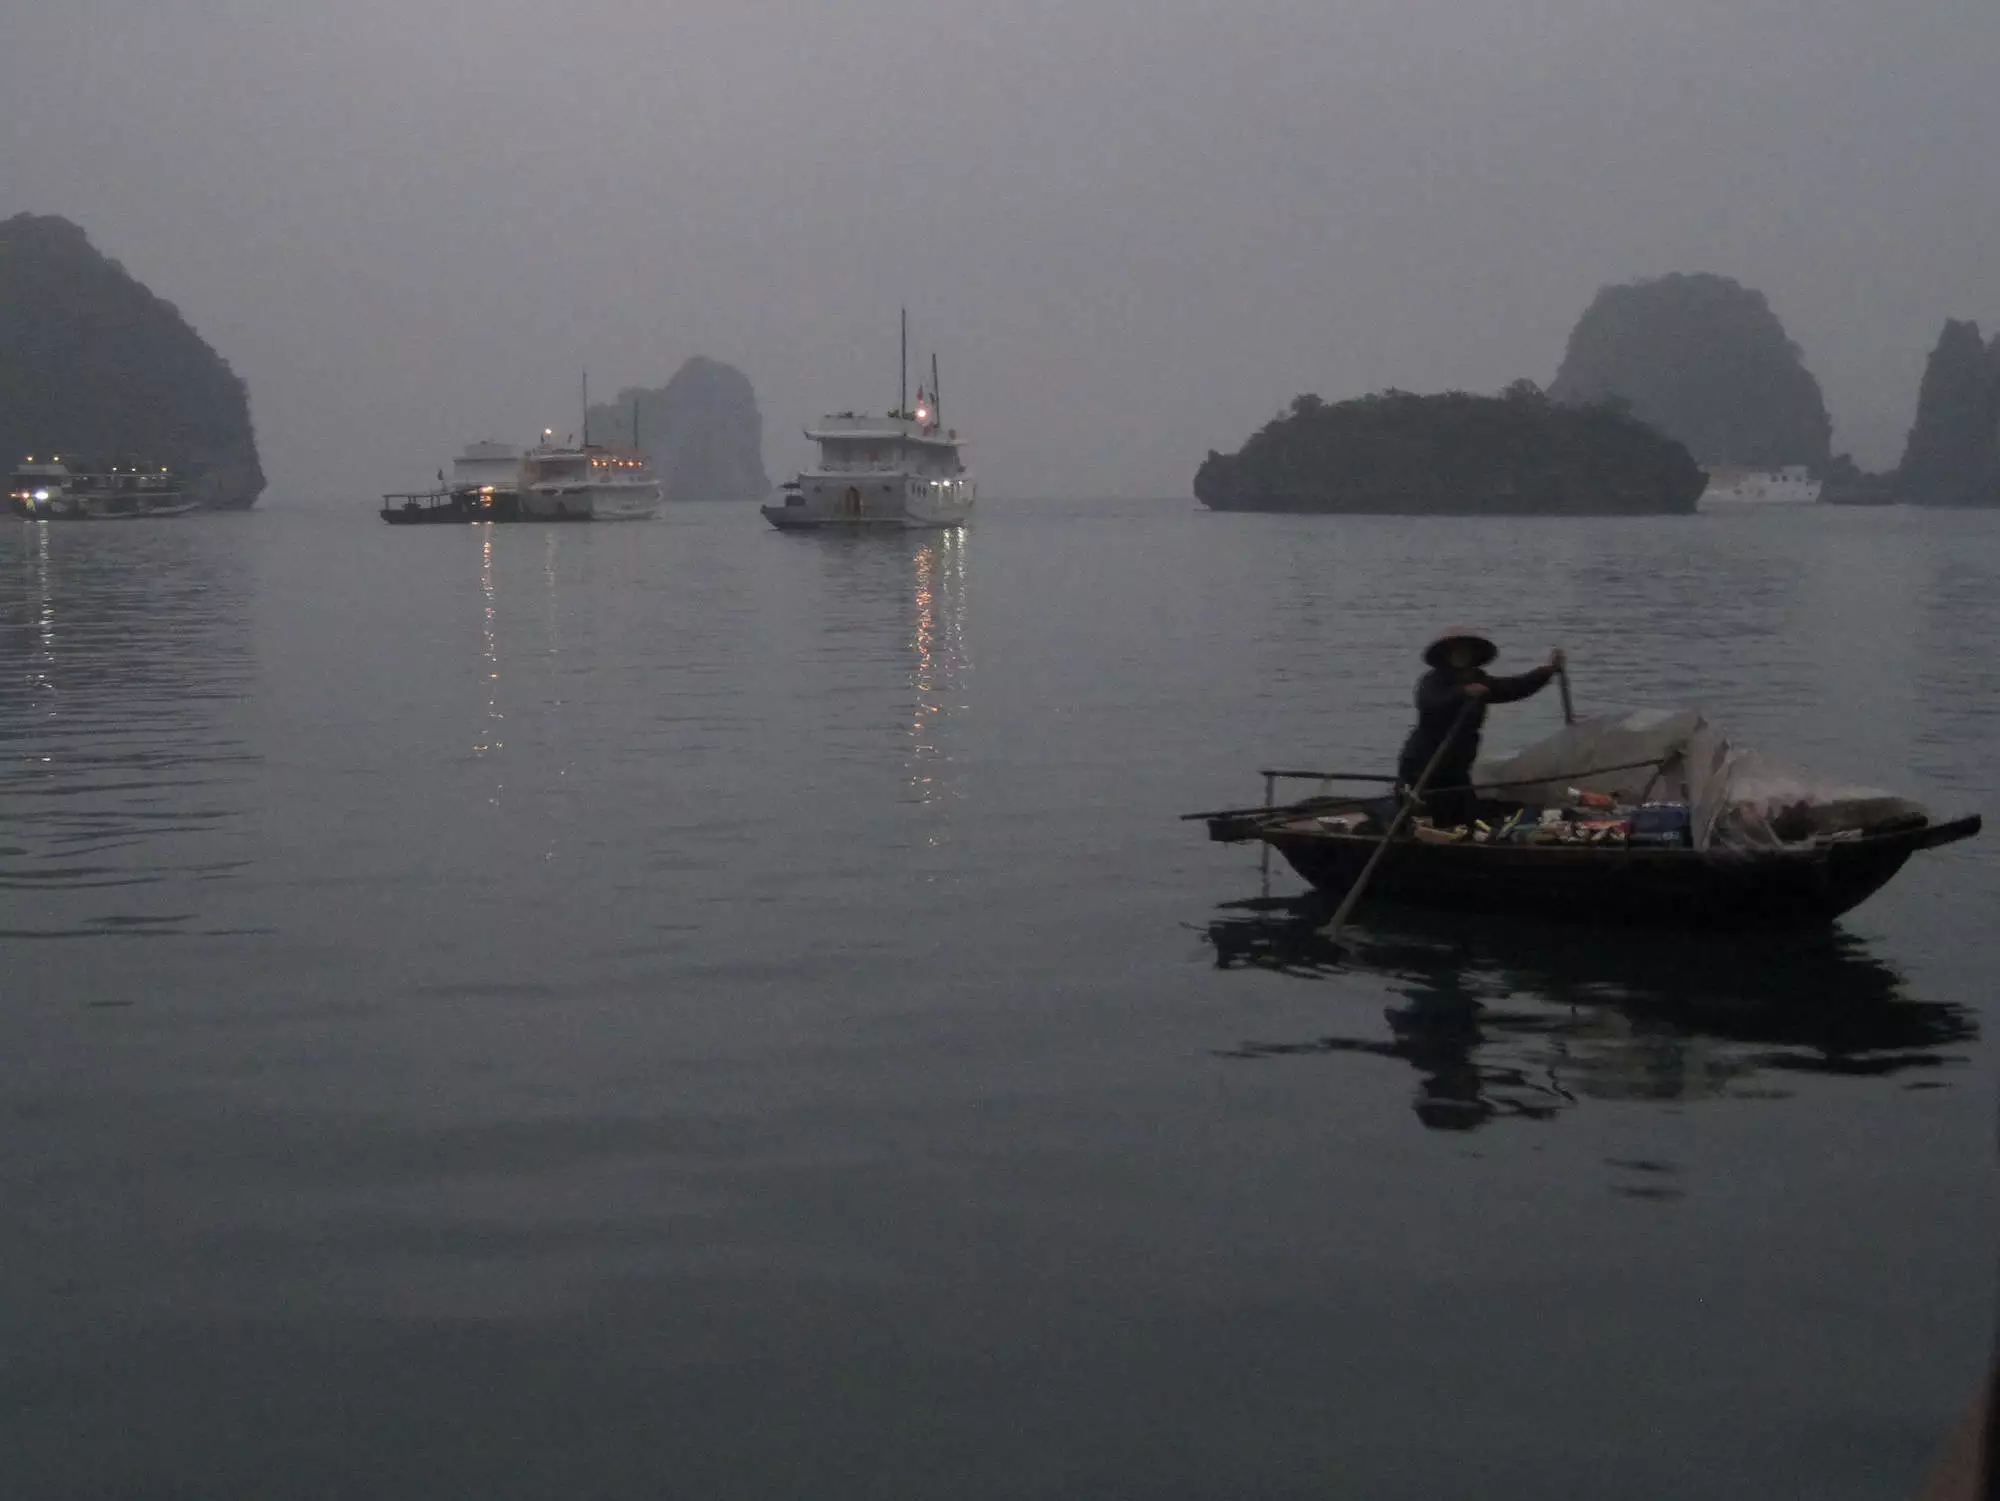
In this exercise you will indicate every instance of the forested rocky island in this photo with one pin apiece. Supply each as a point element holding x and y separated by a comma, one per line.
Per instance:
<point>702,431</point>
<point>1454,454</point>
<point>94,366</point>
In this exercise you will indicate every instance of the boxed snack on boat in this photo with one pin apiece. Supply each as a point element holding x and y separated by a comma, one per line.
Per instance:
<point>1664,824</point>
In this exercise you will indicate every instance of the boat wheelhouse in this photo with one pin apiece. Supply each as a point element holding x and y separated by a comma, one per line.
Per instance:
<point>487,468</point>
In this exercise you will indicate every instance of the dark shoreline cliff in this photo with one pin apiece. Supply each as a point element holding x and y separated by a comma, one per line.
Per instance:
<point>95,366</point>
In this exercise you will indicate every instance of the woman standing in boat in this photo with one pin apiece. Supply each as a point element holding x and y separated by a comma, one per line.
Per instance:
<point>1458,680</point>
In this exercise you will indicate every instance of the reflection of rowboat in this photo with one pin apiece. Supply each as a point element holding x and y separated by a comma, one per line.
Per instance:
<point>1501,1024</point>
<point>1831,849</point>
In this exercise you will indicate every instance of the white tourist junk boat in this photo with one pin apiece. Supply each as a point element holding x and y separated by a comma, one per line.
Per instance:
<point>594,482</point>
<point>899,471</point>
<point>588,483</point>
<point>49,490</point>
<point>1791,485</point>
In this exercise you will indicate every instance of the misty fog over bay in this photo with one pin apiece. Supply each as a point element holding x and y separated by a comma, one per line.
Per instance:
<point>1133,230</point>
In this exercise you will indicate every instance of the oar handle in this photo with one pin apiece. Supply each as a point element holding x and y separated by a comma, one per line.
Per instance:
<point>1348,902</point>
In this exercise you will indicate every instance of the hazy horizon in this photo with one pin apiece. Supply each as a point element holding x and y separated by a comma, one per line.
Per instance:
<point>1132,232</point>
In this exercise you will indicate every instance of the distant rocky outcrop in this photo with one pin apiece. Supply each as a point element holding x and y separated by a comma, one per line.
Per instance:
<point>1705,360</point>
<point>702,430</point>
<point>1846,483</point>
<point>1952,457</point>
<point>1517,454</point>
<point>95,367</point>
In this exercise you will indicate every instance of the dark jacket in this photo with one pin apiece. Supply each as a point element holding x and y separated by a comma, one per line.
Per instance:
<point>1440,695</point>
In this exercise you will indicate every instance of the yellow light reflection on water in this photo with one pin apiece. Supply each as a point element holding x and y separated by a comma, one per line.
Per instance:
<point>41,670</point>
<point>938,667</point>
<point>489,742</point>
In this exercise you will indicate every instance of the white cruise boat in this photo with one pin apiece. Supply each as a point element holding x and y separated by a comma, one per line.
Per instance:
<point>1792,485</point>
<point>591,483</point>
<point>50,490</point>
<point>901,470</point>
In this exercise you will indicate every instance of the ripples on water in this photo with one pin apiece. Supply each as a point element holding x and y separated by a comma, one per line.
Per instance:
<point>687,1010</point>
<point>125,762</point>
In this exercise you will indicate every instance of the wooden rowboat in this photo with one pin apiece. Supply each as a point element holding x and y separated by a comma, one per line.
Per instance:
<point>1715,889</point>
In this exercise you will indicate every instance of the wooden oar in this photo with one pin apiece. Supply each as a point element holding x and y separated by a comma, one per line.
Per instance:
<point>1323,804</point>
<point>1347,903</point>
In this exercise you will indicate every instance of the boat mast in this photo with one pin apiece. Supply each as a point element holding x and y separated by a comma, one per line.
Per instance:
<point>586,406</point>
<point>903,371</point>
<point>937,406</point>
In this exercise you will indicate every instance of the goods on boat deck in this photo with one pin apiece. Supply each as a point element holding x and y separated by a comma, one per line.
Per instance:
<point>1590,820</point>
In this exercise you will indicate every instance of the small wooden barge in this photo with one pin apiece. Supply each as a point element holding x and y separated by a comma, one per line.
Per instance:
<point>485,485</point>
<point>450,507</point>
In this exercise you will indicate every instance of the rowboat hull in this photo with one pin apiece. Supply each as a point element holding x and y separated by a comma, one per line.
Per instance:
<point>1691,890</point>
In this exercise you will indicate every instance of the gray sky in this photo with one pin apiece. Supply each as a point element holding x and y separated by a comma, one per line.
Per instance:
<point>1132,228</point>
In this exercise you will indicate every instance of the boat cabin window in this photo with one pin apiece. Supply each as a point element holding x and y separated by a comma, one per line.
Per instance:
<point>839,456</point>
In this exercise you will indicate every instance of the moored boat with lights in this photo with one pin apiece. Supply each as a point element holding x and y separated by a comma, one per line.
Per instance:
<point>51,489</point>
<point>897,471</point>
<point>593,482</point>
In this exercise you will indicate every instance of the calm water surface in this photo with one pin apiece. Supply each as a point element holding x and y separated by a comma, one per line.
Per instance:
<point>679,1010</point>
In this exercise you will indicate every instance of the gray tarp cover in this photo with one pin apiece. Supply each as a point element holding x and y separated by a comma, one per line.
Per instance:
<point>1738,798</point>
